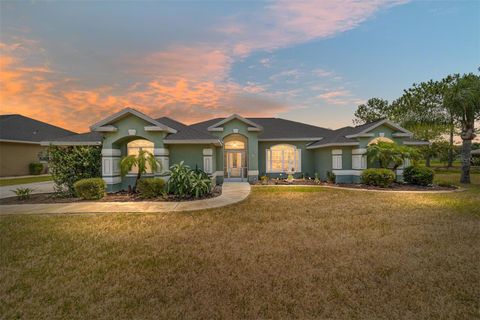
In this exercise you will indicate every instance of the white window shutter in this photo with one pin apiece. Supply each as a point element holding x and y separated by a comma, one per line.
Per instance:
<point>363,162</point>
<point>356,161</point>
<point>337,162</point>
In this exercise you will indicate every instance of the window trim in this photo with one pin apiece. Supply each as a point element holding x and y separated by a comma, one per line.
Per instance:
<point>297,154</point>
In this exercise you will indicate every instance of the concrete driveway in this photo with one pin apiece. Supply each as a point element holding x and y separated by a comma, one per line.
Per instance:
<point>38,187</point>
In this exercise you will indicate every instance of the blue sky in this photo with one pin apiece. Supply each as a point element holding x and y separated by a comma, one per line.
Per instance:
<point>73,63</point>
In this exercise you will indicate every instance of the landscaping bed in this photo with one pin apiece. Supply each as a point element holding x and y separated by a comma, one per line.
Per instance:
<point>392,187</point>
<point>121,196</point>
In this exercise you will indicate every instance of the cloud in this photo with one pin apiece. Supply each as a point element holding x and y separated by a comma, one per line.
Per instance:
<point>340,97</point>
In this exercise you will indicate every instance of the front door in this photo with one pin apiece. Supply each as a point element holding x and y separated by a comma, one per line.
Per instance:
<point>235,164</point>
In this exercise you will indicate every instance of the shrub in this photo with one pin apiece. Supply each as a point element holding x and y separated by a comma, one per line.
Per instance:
<point>422,176</point>
<point>378,177</point>
<point>70,164</point>
<point>290,178</point>
<point>317,179</point>
<point>446,184</point>
<point>264,180</point>
<point>35,168</point>
<point>90,189</point>
<point>185,182</point>
<point>331,177</point>
<point>23,193</point>
<point>150,188</point>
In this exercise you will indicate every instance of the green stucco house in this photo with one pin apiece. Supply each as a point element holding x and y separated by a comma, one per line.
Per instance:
<point>236,148</point>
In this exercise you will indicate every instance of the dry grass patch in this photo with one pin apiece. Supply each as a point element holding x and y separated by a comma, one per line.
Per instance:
<point>283,253</point>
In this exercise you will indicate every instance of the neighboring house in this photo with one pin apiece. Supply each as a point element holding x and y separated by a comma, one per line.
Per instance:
<point>237,148</point>
<point>20,139</point>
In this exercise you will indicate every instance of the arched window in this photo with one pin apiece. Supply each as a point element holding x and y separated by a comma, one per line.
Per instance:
<point>133,147</point>
<point>283,158</point>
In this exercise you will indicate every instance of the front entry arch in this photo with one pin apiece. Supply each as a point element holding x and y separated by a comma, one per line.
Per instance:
<point>235,157</point>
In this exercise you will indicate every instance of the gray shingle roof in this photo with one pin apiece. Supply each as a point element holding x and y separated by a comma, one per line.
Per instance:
<point>87,138</point>
<point>276,128</point>
<point>184,132</point>
<point>20,128</point>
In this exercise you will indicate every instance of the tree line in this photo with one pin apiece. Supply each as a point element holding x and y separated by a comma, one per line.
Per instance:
<point>432,110</point>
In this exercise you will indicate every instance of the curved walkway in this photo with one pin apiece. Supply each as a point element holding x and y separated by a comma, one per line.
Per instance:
<point>232,192</point>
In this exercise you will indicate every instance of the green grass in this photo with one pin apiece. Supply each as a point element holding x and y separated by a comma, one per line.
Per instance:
<point>325,253</point>
<point>15,181</point>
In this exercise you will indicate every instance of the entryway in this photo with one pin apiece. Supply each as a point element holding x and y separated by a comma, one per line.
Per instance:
<point>235,158</point>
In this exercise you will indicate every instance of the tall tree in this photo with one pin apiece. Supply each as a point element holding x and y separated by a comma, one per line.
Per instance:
<point>373,110</point>
<point>463,99</point>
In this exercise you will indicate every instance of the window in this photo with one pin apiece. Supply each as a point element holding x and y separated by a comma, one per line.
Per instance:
<point>284,158</point>
<point>359,161</point>
<point>207,164</point>
<point>133,147</point>
<point>235,145</point>
<point>336,159</point>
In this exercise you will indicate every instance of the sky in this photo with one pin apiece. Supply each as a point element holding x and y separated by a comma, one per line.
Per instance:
<point>74,63</point>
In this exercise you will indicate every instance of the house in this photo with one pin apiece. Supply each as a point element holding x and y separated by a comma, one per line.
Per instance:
<point>20,139</point>
<point>237,148</point>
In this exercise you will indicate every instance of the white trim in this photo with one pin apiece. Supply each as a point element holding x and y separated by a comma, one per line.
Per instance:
<point>297,159</point>
<point>385,121</point>
<point>134,112</point>
<point>333,144</point>
<point>337,161</point>
<point>70,143</point>
<point>214,126</point>
<point>153,128</point>
<point>416,143</point>
<point>208,164</point>
<point>20,141</point>
<point>132,132</point>
<point>337,152</point>
<point>108,128</point>
<point>362,135</point>
<point>359,161</point>
<point>399,172</point>
<point>359,151</point>
<point>207,152</point>
<point>161,152</point>
<point>196,141</point>
<point>347,172</point>
<point>216,129</point>
<point>253,129</point>
<point>253,172</point>
<point>400,134</point>
<point>112,180</point>
<point>292,139</point>
<point>111,152</point>
<point>217,174</point>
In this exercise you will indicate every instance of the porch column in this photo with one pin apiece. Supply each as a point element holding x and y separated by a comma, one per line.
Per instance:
<point>162,156</point>
<point>111,168</point>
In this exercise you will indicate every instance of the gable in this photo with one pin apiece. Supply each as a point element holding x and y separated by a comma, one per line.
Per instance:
<point>251,126</point>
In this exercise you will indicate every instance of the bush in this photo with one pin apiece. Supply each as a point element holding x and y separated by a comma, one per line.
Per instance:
<point>23,193</point>
<point>185,182</point>
<point>446,184</point>
<point>90,189</point>
<point>422,176</point>
<point>331,177</point>
<point>264,180</point>
<point>150,188</point>
<point>378,177</point>
<point>70,164</point>
<point>35,168</point>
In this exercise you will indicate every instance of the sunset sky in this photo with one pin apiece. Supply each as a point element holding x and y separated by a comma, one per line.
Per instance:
<point>71,64</point>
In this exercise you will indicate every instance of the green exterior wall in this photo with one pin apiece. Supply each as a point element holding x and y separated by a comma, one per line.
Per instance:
<point>190,154</point>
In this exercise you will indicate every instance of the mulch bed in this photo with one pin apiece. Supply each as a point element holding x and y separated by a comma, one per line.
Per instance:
<point>393,187</point>
<point>121,196</point>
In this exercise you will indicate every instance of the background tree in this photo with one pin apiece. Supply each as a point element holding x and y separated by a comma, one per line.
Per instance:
<point>375,109</point>
<point>463,99</point>
<point>143,161</point>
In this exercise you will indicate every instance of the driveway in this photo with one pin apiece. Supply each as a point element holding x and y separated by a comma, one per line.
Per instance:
<point>37,187</point>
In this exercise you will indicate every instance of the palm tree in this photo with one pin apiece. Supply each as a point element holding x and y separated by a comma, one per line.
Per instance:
<point>142,161</point>
<point>390,155</point>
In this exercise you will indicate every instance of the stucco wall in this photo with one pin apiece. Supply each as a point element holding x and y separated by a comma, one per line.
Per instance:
<point>190,154</point>
<point>15,158</point>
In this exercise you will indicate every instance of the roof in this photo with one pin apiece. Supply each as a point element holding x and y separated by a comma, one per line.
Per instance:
<point>276,129</point>
<point>18,128</point>
<point>82,139</point>
<point>185,133</point>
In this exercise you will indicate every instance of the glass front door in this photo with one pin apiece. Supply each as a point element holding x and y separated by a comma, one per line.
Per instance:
<point>235,164</point>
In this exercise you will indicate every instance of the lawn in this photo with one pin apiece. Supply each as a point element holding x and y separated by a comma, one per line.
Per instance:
<point>15,181</point>
<point>301,252</point>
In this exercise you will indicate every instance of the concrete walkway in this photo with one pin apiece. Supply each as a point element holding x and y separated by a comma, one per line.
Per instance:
<point>232,192</point>
<point>37,187</point>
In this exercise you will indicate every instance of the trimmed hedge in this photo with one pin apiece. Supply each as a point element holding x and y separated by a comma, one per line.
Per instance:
<point>421,176</point>
<point>35,168</point>
<point>90,189</point>
<point>150,188</point>
<point>378,177</point>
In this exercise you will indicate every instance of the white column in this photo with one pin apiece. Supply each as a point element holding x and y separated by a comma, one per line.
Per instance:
<point>208,160</point>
